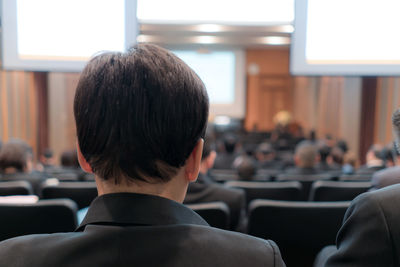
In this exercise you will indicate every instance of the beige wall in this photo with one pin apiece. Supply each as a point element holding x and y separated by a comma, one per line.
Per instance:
<point>61,120</point>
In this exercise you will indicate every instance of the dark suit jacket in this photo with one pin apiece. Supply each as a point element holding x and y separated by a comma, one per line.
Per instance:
<point>203,190</point>
<point>386,177</point>
<point>370,234</point>
<point>128,229</point>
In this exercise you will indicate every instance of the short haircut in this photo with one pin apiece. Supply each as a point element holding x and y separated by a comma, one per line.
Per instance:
<point>139,114</point>
<point>230,142</point>
<point>324,152</point>
<point>306,153</point>
<point>246,168</point>
<point>14,154</point>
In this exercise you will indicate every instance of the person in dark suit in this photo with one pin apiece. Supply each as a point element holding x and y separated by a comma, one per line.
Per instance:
<point>225,159</point>
<point>140,118</point>
<point>305,158</point>
<point>370,233</point>
<point>205,189</point>
<point>374,161</point>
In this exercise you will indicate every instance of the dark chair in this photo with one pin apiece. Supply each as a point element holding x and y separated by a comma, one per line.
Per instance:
<point>224,175</point>
<point>15,188</point>
<point>45,216</point>
<point>337,191</point>
<point>305,180</point>
<point>356,177</point>
<point>301,229</point>
<point>215,214</point>
<point>269,190</point>
<point>82,193</point>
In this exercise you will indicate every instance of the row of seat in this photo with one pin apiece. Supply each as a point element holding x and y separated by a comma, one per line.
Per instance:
<point>301,229</point>
<point>84,192</point>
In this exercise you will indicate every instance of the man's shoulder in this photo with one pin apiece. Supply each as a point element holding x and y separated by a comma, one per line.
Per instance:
<point>179,245</point>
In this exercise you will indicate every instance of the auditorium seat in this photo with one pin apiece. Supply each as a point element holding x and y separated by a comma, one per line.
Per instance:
<point>300,229</point>
<point>15,188</point>
<point>337,191</point>
<point>224,175</point>
<point>215,214</point>
<point>305,180</point>
<point>290,190</point>
<point>82,193</point>
<point>356,177</point>
<point>45,216</point>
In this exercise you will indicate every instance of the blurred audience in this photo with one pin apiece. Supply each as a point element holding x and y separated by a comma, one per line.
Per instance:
<point>16,163</point>
<point>305,158</point>
<point>374,160</point>
<point>206,190</point>
<point>225,160</point>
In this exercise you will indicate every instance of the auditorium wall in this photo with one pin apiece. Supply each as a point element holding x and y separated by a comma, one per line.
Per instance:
<point>37,107</point>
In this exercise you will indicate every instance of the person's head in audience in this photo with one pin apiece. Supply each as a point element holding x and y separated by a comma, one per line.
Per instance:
<point>47,158</point>
<point>324,152</point>
<point>265,152</point>
<point>246,168</point>
<point>305,155</point>
<point>374,156</point>
<point>16,156</point>
<point>208,156</point>
<point>69,159</point>
<point>141,118</point>
<point>337,155</point>
<point>230,143</point>
<point>342,145</point>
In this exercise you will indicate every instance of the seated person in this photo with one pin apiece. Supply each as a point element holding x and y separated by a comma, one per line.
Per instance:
<point>206,190</point>
<point>266,157</point>
<point>225,160</point>
<point>16,163</point>
<point>305,158</point>
<point>370,233</point>
<point>387,176</point>
<point>374,161</point>
<point>140,118</point>
<point>246,168</point>
<point>326,161</point>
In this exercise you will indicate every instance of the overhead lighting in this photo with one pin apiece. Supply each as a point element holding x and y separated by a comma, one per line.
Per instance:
<point>209,28</point>
<point>275,40</point>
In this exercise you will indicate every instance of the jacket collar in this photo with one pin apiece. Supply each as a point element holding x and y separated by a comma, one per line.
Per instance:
<point>128,209</point>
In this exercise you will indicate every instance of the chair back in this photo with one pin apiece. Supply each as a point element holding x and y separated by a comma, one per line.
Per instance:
<point>15,188</point>
<point>301,229</point>
<point>83,193</point>
<point>290,190</point>
<point>215,214</point>
<point>45,216</point>
<point>305,180</point>
<point>337,191</point>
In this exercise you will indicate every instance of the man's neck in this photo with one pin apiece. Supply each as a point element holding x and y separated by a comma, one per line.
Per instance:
<point>170,190</point>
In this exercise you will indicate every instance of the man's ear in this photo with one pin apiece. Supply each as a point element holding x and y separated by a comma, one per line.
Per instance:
<point>192,166</point>
<point>82,161</point>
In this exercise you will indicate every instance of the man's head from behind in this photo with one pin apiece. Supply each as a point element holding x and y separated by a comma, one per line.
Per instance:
<point>15,156</point>
<point>139,115</point>
<point>305,155</point>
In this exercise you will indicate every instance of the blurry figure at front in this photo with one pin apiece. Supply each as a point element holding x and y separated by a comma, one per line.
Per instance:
<point>16,163</point>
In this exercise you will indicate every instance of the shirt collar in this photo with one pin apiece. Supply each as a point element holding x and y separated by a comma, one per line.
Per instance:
<point>138,209</point>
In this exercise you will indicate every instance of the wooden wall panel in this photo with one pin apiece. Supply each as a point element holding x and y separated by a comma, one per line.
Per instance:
<point>18,107</point>
<point>269,87</point>
<point>62,134</point>
<point>387,101</point>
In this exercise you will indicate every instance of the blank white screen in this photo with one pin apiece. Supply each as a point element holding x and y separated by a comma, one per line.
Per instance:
<point>341,37</point>
<point>69,28</point>
<point>223,75</point>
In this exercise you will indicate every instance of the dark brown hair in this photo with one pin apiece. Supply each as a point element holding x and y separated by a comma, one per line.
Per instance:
<point>139,114</point>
